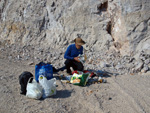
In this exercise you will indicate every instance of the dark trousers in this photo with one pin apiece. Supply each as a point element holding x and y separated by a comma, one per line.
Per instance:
<point>74,64</point>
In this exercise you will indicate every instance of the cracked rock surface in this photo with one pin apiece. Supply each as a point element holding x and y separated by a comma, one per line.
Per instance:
<point>117,33</point>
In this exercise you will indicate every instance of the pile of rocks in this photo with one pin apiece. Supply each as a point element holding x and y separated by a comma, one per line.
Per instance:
<point>110,61</point>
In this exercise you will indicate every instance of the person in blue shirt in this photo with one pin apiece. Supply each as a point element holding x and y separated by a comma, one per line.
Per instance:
<point>72,56</point>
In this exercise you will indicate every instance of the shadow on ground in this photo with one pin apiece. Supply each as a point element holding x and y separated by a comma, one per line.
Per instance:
<point>101,73</point>
<point>63,94</point>
<point>60,94</point>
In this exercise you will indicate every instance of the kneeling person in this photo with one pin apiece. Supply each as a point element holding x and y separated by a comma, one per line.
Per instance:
<point>71,56</point>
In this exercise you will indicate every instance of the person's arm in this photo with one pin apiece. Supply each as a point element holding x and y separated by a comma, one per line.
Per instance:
<point>77,58</point>
<point>67,53</point>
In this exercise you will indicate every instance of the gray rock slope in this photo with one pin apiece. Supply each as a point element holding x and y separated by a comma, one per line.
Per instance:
<point>117,32</point>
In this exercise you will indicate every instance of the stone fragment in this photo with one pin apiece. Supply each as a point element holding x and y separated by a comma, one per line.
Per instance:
<point>139,66</point>
<point>145,69</point>
<point>102,64</point>
<point>31,63</point>
<point>119,66</point>
<point>147,61</point>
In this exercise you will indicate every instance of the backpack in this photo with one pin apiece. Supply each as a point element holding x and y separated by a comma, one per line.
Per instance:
<point>45,69</point>
<point>23,80</point>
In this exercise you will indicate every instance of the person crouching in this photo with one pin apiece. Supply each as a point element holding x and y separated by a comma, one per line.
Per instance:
<point>72,56</point>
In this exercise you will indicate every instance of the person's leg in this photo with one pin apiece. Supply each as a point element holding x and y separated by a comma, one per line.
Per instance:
<point>80,66</point>
<point>61,69</point>
<point>74,65</point>
<point>68,64</point>
<point>77,66</point>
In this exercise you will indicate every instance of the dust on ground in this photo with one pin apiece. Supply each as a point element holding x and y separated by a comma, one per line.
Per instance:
<point>121,94</point>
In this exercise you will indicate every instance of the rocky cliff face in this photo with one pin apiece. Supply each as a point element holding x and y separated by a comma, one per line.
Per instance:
<point>113,29</point>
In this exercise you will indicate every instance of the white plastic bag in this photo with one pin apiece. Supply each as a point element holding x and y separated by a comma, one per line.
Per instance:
<point>49,86</point>
<point>82,58</point>
<point>34,89</point>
